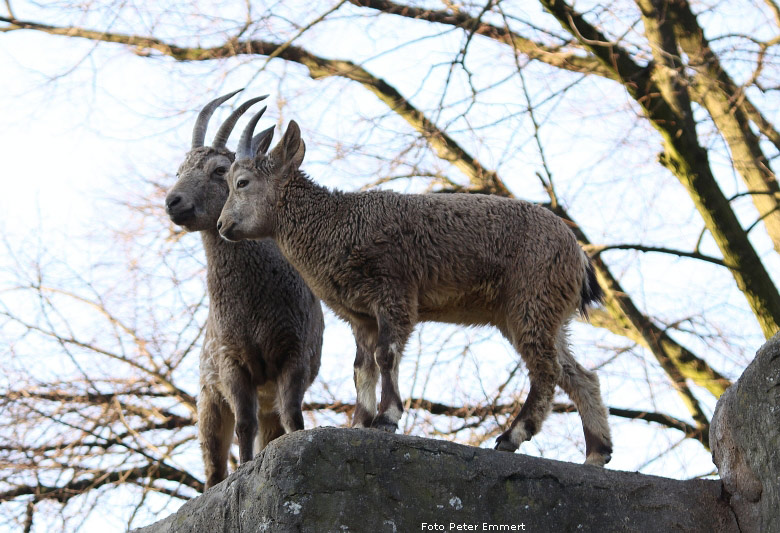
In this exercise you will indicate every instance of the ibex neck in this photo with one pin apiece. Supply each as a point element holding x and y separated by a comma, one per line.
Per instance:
<point>303,203</point>
<point>213,243</point>
<point>226,261</point>
<point>304,216</point>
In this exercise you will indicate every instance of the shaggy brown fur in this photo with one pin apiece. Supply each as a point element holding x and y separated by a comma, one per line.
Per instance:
<point>385,261</point>
<point>264,329</point>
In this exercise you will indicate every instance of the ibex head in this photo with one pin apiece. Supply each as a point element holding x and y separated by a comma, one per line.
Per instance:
<point>196,199</point>
<point>255,181</point>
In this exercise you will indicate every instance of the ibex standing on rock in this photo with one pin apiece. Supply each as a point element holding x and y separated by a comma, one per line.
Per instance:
<point>385,261</point>
<point>264,330</point>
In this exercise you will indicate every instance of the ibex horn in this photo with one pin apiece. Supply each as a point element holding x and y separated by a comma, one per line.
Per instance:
<point>245,143</point>
<point>224,130</point>
<point>262,140</point>
<point>199,131</point>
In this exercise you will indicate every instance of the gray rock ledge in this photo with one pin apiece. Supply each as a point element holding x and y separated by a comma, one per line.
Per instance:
<point>338,480</point>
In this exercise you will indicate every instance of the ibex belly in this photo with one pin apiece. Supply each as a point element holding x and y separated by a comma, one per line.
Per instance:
<point>452,305</point>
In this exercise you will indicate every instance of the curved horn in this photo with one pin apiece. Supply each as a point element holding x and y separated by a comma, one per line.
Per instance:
<point>245,143</point>
<point>224,130</point>
<point>199,131</point>
<point>262,140</point>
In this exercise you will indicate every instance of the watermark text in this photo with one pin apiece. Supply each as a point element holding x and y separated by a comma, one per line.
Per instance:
<point>464,526</point>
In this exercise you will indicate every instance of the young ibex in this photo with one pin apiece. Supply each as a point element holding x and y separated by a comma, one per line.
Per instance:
<point>264,329</point>
<point>384,261</point>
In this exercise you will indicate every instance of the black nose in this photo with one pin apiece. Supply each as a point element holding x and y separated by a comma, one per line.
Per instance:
<point>219,225</point>
<point>171,202</point>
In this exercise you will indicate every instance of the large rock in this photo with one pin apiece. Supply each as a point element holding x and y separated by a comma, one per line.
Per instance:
<point>745,437</point>
<point>337,480</point>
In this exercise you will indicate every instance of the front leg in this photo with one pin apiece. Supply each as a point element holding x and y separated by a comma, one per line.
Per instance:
<point>291,387</point>
<point>394,331</point>
<point>366,374</point>
<point>242,396</point>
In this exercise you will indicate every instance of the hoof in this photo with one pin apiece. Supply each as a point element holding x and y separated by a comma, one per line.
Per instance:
<point>504,444</point>
<point>382,423</point>
<point>361,422</point>
<point>596,459</point>
<point>598,450</point>
<point>361,418</point>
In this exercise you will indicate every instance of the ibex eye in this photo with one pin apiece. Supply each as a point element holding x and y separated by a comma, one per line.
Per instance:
<point>220,171</point>
<point>240,184</point>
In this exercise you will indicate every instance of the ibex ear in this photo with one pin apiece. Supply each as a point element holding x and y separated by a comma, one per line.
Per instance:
<point>262,141</point>
<point>291,149</point>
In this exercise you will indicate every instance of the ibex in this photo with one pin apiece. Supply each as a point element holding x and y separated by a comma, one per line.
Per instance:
<point>264,329</point>
<point>385,261</point>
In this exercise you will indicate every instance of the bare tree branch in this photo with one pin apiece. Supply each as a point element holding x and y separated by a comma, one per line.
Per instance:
<point>97,479</point>
<point>551,55</point>
<point>596,249</point>
<point>486,411</point>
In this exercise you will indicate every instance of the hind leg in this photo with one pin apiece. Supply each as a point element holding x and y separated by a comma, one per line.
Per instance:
<point>215,428</point>
<point>582,386</point>
<point>544,371</point>
<point>269,425</point>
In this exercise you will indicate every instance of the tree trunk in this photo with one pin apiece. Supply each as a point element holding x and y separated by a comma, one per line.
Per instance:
<point>665,102</point>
